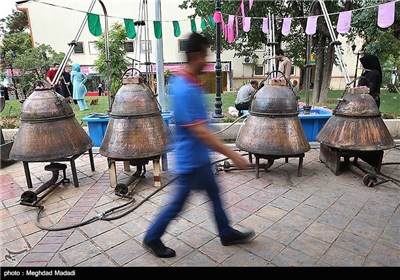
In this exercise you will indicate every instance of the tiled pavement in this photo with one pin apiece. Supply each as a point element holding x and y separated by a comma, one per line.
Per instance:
<point>318,219</point>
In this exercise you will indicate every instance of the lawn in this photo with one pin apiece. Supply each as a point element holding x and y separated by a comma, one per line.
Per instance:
<point>9,118</point>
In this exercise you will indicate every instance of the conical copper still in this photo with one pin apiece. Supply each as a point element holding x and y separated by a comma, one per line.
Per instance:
<point>356,124</point>
<point>136,129</point>
<point>48,130</point>
<point>273,127</point>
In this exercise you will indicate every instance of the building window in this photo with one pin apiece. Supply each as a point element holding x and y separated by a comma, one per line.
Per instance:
<point>78,48</point>
<point>292,71</point>
<point>259,70</point>
<point>93,48</point>
<point>182,45</point>
<point>145,46</point>
<point>129,46</point>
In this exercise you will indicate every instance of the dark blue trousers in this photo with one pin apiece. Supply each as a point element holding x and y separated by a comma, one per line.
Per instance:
<point>201,178</point>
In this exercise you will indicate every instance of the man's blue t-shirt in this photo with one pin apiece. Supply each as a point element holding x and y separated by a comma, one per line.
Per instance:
<point>189,109</point>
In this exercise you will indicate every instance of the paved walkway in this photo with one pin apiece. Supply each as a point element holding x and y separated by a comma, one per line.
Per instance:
<point>318,219</point>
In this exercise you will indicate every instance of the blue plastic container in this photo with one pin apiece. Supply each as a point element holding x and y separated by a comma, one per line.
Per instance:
<point>97,125</point>
<point>312,123</point>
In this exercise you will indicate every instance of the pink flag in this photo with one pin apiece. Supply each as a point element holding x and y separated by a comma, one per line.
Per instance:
<point>243,14</point>
<point>246,24</point>
<point>311,25</point>
<point>286,26</point>
<point>386,15</point>
<point>344,22</point>
<point>250,4</point>
<point>217,17</point>
<point>223,27</point>
<point>265,25</point>
<point>231,35</point>
<point>237,26</point>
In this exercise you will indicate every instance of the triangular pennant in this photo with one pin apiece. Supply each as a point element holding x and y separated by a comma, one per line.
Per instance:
<point>203,24</point>
<point>386,15</point>
<point>177,29</point>
<point>157,29</point>
<point>250,4</point>
<point>231,34</point>
<point>211,21</point>
<point>130,28</point>
<point>265,25</point>
<point>344,22</point>
<point>193,25</point>
<point>311,27</point>
<point>287,22</point>
<point>94,24</point>
<point>237,27</point>
<point>246,24</point>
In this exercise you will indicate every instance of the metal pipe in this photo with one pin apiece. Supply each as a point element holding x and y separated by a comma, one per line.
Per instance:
<point>72,44</point>
<point>218,99</point>
<point>107,50</point>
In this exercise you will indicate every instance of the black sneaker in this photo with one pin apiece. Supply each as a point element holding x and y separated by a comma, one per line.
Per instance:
<point>159,249</point>
<point>237,237</point>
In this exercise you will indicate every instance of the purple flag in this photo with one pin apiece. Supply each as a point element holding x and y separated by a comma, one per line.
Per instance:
<point>311,27</point>
<point>217,17</point>
<point>344,22</point>
<point>386,15</point>
<point>231,35</point>
<point>237,26</point>
<point>286,26</point>
<point>246,24</point>
<point>243,14</point>
<point>250,4</point>
<point>265,25</point>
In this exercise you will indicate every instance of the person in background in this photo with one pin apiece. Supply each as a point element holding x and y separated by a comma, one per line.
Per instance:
<point>100,89</point>
<point>66,85</point>
<point>193,138</point>
<point>245,96</point>
<point>285,65</point>
<point>78,80</point>
<point>50,74</point>
<point>296,87</point>
<point>371,76</point>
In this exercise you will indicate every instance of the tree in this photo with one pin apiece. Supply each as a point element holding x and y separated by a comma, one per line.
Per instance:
<point>30,62</point>
<point>33,64</point>
<point>14,23</point>
<point>118,65</point>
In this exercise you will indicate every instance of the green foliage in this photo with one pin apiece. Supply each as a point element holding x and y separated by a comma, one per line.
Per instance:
<point>14,23</point>
<point>33,64</point>
<point>18,43</point>
<point>118,65</point>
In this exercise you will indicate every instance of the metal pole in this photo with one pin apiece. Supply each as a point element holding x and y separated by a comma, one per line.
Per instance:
<point>161,95</point>
<point>307,107</point>
<point>13,80</point>
<point>107,50</point>
<point>218,102</point>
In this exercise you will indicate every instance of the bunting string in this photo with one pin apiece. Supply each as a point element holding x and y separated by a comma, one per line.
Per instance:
<point>386,15</point>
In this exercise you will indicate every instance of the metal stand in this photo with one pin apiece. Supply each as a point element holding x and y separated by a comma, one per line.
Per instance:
<point>140,163</point>
<point>272,158</point>
<point>71,161</point>
<point>331,157</point>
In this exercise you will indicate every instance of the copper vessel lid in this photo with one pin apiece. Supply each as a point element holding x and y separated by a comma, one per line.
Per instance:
<point>274,100</point>
<point>45,104</point>
<point>357,105</point>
